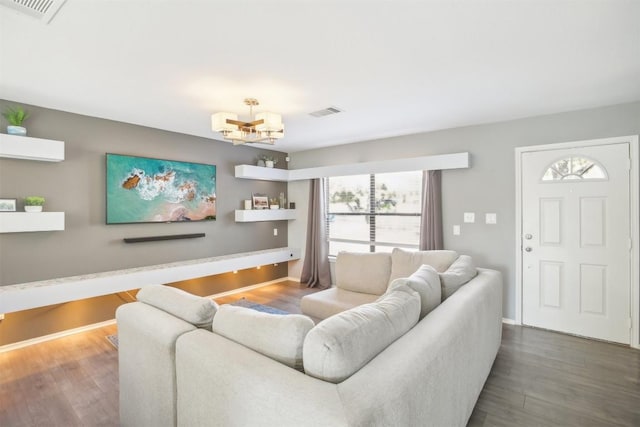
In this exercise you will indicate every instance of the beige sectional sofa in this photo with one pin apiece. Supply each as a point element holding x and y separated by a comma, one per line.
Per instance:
<point>390,351</point>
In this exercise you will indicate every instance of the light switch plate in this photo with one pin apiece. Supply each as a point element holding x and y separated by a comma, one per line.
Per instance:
<point>491,218</point>
<point>275,231</point>
<point>469,217</point>
<point>456,230</point>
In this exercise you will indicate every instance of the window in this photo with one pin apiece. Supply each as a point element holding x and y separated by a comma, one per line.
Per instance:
<point>374,213</point>
<point>574,168</point>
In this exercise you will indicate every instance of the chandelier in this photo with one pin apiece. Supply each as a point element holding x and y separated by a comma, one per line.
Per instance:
<point>265,127</point>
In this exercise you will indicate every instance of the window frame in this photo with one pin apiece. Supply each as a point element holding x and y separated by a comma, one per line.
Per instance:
<point>371,214</point>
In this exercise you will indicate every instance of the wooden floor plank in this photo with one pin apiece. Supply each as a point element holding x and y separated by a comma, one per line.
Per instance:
<point>539,378</point>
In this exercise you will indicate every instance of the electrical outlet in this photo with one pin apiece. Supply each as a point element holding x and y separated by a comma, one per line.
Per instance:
<point>1,316</point>
<point>491,218</point>
<point>469,217</point>
<point>275,231</point>
<point>456,230</point>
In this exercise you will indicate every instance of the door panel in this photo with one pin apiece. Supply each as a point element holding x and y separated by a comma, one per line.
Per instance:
<point>575,258</point>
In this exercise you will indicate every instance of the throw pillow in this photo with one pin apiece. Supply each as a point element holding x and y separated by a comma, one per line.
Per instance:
<point>198,311</point>
<point>363,272</point>
<point>277,336</point>
<point>461,271</point>
<point>426,282</point>
<point>342,344</point>
<point>405,262</point>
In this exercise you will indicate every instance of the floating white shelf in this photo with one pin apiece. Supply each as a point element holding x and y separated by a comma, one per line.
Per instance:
<point>261,173</point>
<point>19,222</point>
<point>28,148</point>
<point>256,215</point>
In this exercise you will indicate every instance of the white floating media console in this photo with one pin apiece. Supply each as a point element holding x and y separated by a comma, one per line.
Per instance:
<point>47,292</point>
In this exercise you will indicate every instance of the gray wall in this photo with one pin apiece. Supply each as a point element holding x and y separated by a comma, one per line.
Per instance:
<point>487,186</point>
<point>77,187</point>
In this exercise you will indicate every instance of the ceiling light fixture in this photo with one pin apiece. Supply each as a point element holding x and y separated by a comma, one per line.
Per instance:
<point>264,127</point>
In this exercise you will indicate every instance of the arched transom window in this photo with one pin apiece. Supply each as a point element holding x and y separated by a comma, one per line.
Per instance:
<point>574,168</point>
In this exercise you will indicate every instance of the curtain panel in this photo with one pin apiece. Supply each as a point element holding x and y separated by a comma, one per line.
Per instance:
<point>315,268</point>
<point>431,236</point>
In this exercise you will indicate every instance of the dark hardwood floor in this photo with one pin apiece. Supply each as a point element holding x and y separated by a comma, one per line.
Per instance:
<point>540,378</point>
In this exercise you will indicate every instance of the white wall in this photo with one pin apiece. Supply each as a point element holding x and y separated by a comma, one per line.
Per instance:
<point>487,186</point>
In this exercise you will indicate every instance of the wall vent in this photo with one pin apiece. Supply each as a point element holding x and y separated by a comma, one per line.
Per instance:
<point>326,112</point>
<point>43,10</point>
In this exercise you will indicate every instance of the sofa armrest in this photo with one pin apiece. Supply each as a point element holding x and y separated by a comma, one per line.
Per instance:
<point>146,356</point>
<point>228,384</point>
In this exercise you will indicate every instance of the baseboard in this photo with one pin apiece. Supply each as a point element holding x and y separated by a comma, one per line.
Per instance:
<point>508,321</point>
<point>247,288</point>
<point>293,279</point>
<point>61,334</point>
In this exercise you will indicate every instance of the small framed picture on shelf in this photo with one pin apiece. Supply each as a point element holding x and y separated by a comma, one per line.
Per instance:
<point>8,205</point>
<point>260,201</point>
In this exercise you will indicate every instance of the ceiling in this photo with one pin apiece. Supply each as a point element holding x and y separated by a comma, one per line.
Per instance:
<point>395,67</point>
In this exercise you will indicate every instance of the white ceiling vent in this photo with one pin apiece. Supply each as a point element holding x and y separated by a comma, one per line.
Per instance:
<point>326,112</point>
<point>43,10</point>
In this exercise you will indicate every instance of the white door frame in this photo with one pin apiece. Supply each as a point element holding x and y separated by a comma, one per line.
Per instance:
<point>634,200</point>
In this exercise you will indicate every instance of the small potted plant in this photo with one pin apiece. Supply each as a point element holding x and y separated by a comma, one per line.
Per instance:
<point>273,204</point>
<point>16,116</point>
<point>269,161</point>
<point>33,203</point>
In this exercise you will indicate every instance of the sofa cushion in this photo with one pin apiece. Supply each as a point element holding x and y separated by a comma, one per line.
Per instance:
<point>404,262</point>
<point>277,336</point>
<point>426,282</point>
<point>198,311</point>
<point>363,272</point>
<point>342,344</point>
<point>461,271</point>
<point>332,301</point>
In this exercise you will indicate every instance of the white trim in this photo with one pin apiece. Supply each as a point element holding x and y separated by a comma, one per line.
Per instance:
<point>634,189</point>
<point>293,279</point>
<point>508,321</point>
<point>61,334</point>
<point>439,162</point>
<point>436,162</point>
<point>246,288</point>
<point>47,292</point>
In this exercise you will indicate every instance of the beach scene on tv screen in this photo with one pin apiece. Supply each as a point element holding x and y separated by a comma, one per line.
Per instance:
<point>141,189</point>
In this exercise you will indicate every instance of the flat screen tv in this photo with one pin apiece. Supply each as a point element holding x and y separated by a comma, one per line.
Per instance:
<point>142,190</point>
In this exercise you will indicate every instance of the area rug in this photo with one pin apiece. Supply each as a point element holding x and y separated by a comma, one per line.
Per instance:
<point>243,302</point>
<point>113,339</point>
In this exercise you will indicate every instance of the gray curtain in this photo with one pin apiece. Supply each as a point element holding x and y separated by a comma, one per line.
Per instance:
<point>431,221</point>
<point>315,270</point>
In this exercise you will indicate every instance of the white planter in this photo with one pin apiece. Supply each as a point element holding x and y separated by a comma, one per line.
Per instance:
<point>274,207</point>
<point>268,163</point>
<point>33,208</point>
<point>16,130</point>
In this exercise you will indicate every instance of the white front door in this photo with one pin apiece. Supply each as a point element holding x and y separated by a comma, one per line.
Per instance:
<point>576,241</point>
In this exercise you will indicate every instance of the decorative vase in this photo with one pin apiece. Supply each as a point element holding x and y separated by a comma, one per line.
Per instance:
<point>33,208</point>
<point>260,163</point>
<point>268,163</point>
<point>17,130</point>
